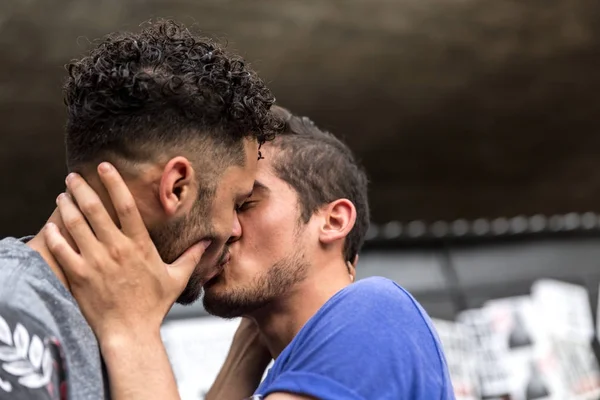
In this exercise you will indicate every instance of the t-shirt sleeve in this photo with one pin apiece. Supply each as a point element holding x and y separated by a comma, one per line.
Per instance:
<point>367,344</point>
<point>32,363</point>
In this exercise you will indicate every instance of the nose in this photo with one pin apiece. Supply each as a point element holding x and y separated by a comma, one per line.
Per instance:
<point>236,229</point>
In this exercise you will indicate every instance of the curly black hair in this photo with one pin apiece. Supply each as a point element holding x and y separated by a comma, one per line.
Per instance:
<point>163,85</point>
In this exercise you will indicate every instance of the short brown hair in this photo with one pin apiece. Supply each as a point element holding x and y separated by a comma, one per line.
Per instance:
<point>321,169</point>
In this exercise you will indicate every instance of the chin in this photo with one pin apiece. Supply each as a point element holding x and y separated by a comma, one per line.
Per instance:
<point>189,297</point>
<point>217,307</point>
<point>218,302</point>
<point>223,313</point>
<point>192,291</point>
<point>223,303</point>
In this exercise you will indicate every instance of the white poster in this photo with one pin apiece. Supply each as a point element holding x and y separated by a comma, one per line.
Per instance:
<point>564,309</point>
<point>515,332</point>
<point>492,367</point>
<point>458,342</point>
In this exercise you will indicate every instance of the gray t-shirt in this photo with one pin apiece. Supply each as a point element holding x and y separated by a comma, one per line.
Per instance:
<point>47,349</point>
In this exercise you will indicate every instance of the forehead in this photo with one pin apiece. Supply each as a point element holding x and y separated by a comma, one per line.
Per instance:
<point>265,172</point>
<point>241,177</point>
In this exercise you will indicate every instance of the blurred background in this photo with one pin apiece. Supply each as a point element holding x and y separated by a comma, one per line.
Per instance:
<point>476,120</point>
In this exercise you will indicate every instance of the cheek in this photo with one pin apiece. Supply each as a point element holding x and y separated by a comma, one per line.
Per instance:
<point>267,234</point>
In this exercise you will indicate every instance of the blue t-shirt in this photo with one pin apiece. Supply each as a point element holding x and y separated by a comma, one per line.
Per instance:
<point>370,341</point>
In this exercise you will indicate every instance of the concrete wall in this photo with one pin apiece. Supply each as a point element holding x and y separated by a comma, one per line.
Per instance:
<point>460,108</point>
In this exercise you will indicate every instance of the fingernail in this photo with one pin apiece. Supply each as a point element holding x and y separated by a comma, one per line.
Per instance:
<point>60,197</point>
<point>205,243</point>
<point>70,177</point>
<point>51,226</point>
<point>104,167</point>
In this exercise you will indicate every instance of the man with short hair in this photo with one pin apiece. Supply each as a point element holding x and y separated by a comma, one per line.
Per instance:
<point>288,270</point>
<point>182,120</point>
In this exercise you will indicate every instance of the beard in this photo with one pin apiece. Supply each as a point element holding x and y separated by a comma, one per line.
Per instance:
<point>174,238</point>
<point>266,287</point>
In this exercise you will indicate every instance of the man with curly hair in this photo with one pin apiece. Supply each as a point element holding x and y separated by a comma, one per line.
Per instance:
<point>289,270</point>
<point>182,120</point>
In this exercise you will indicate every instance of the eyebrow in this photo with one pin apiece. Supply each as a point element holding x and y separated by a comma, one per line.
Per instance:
<point>260,186</point>
<point>257,186</point>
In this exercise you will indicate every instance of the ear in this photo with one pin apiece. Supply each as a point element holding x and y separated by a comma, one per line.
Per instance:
<point>352,268</point>
<point>177,191</point>
<point>339,217</point>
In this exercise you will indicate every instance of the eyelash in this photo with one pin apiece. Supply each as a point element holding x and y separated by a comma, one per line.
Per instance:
<point>241,207</point>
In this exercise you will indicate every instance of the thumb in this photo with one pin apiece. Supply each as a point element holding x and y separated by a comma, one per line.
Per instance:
<point>182,268</point>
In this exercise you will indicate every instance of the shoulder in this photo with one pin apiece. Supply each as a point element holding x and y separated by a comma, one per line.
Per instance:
<point>15,315</point>
<point>24,296</point>
<point>16,261</point>
<point>25,319</point>
<point>32,363</point>
<point>15,250</point>
<point>30,288</point>
<point>379,286</point>
<point>370,340</point>
<point>374,299</point>
<point>374,311</point>
<point>378,315</point>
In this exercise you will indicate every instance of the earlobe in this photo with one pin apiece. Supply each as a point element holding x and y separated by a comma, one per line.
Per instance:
<point>340,216</point>
<point>176,184</point>
<point>351,270</point>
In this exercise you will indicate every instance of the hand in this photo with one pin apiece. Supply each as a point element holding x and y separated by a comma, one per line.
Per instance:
<point>117,277</point>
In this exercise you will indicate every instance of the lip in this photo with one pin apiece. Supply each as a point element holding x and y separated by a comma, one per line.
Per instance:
<point>218,269</point>
<point>225,261</point>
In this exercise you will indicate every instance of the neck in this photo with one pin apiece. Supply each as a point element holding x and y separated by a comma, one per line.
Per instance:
<point>39,244</point>
<point>282,319</point>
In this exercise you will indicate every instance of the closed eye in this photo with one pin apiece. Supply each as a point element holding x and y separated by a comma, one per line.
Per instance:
<point>244,206</point>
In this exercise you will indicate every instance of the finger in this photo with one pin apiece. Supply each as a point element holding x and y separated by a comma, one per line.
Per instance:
<point>75,224</point>
<point>129,216</point>
<point>67,257</point>
<point>92,208</point>
<point>181,270</point>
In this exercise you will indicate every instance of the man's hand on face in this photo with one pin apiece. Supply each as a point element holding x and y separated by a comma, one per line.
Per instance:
<point>117,276</point>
